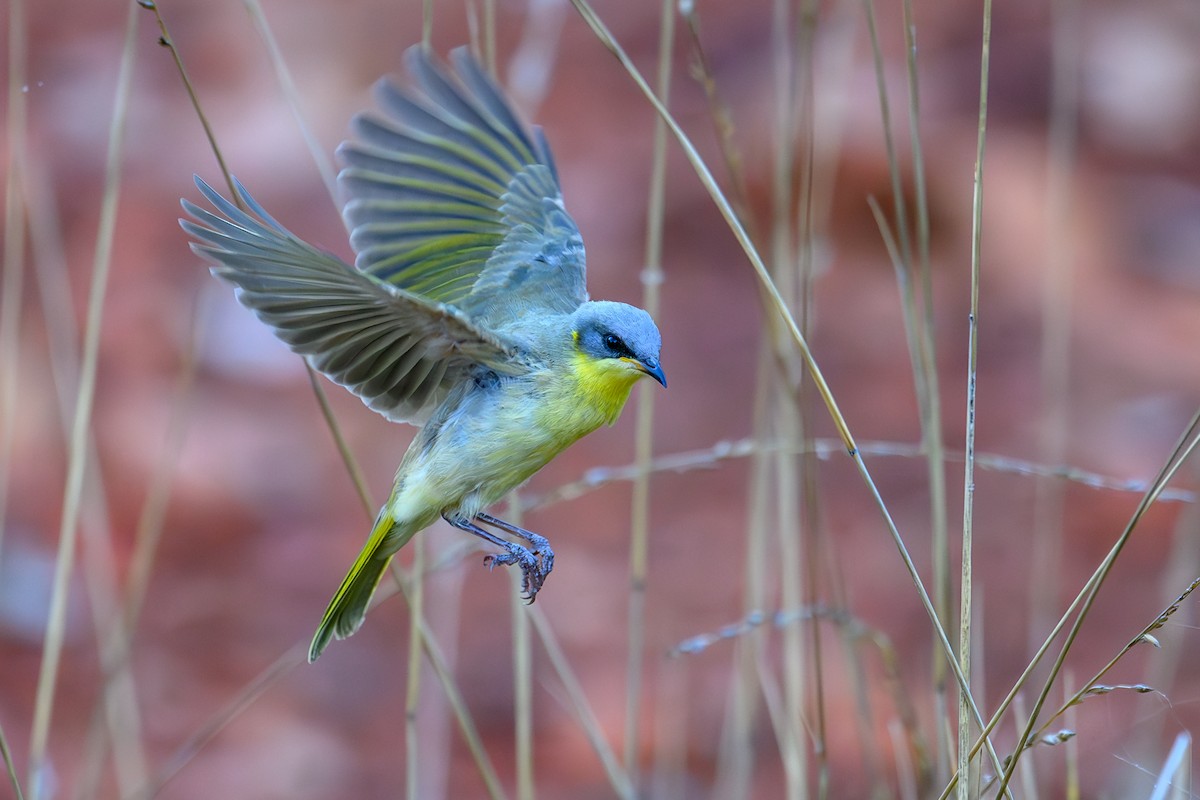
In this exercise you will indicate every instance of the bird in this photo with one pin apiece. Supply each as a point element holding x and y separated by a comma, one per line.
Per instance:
<point>465,312</point>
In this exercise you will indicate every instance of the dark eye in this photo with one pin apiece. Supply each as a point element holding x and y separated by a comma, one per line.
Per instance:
<point>614,343</point>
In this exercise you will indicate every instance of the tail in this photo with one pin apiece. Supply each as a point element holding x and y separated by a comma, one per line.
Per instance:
<point>348,607</point>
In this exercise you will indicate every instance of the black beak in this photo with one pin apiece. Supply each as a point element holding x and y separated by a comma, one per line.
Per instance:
<point>654,370</point>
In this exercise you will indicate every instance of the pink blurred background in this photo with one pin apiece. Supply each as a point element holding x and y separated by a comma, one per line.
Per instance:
<point>262,520</point>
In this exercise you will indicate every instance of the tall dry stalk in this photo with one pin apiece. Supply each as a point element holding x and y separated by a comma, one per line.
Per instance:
<point>77,453</point>
<point>1054,370</point>
<point>639,532</point>
<point>965,717</point>
<point>14,248</point>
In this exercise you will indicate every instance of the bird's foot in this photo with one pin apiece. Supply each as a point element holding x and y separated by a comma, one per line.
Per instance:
<point>535,565</point>
<point>545,563</point>
<point>546,559</point>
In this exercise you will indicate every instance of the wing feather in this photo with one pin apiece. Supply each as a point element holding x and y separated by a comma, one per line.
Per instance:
<point>450,197</point>
<point>400,352</point>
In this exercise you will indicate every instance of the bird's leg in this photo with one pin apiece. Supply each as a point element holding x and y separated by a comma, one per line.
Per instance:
<point>532,571</point>
<point>540,544</point>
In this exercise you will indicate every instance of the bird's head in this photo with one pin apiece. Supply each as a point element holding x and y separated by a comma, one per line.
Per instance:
<point>618,341</point>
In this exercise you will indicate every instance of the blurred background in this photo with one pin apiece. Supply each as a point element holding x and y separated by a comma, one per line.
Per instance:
<point>1088,328</point>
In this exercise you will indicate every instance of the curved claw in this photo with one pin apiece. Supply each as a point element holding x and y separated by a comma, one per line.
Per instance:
<point>535,566</point>
<point>547,558</point>
<point>545,563</point>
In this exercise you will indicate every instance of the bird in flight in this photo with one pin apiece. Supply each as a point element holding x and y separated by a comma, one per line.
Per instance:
<point>466,311</point>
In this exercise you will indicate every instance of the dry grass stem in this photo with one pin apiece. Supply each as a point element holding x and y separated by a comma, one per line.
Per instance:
<point>639,534</point>
<point>1056,315</point>
<point>919,327</point>
<point>1174,779</point>
<point>462,714</point>
<point>412,691</point>
<point>14,248</point>
<point>1093,686</point>
<point>166,41</point>
<point>1083,601</point>
<point>9,767</point>
<point>204,734</point>
<point>711,458</point>
<point>965,716</point>
<point>1179,456</point>
<point>287,85</point>
<point>80,430</point>
<point>618,778</point>
<point>718,112</point>
<point>522,647</point>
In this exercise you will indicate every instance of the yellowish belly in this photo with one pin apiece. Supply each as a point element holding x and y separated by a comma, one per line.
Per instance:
<point>497,439</point>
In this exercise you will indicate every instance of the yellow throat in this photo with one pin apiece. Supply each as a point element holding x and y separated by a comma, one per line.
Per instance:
<point>603,384</point>
<point>584,392</point>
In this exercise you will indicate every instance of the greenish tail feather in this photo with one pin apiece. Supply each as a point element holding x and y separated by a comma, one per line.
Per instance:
<point>348,607</point>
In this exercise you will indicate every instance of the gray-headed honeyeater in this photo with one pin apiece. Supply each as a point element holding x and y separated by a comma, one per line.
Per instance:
<point>466,311</point>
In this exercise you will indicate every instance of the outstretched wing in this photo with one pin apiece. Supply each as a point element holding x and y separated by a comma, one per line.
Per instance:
<point>400,352</point>
<point>450,198</point>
